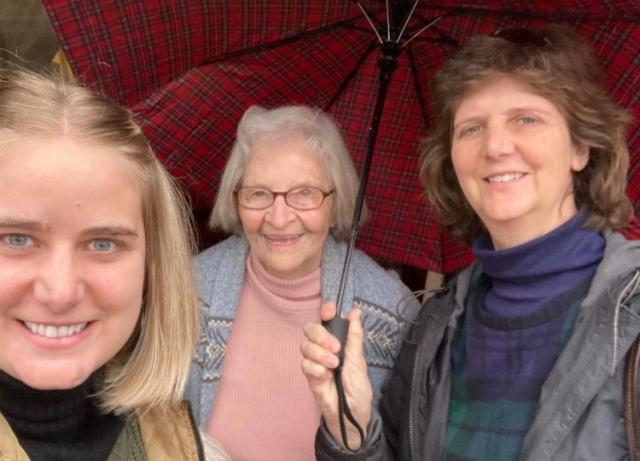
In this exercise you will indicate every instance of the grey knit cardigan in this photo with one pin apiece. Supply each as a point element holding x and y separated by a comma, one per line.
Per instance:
<point>387,306</point>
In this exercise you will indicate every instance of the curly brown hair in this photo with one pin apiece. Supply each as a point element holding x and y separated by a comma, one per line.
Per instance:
<point>560,67</point>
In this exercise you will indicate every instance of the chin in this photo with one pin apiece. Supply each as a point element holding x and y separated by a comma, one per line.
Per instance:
<point>59,378</point>
<point>505,213</point>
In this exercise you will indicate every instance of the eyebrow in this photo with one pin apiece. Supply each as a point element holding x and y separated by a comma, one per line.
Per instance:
<point>29,225</point>
<point>111,231</point>
<point>23,224</point>
<point>512,111</point>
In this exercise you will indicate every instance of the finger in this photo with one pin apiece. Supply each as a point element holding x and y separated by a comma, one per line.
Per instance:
<point>355,335</point>
<point>318,354</point>
<point>316,374</point>
<point>328,311</point>
<point>317,334</point>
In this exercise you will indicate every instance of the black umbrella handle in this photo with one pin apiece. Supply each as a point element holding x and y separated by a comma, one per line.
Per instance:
<point>338,327</point>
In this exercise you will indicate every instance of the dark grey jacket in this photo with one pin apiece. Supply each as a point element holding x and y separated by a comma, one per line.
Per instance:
<point>579,414</point>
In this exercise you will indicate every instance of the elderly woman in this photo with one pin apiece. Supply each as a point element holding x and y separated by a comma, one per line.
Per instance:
<point>288,193</point>
<point>522,355</point>
<point>98,315</point>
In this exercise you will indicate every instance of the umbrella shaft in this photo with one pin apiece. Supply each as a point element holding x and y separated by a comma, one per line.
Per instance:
<point>387,65</point>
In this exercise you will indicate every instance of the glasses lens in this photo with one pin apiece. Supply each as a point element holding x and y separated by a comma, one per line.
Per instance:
<point>305,198</point>
<point>522,37</point>
<point>255,197</point>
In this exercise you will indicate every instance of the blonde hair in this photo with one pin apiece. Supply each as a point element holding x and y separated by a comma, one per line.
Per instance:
<point>559,66</point>
<point>322,139</point>
<point>152,368</point>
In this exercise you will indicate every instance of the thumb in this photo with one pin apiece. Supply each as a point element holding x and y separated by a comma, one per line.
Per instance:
<point>354,345</point>
<point>328,311</point>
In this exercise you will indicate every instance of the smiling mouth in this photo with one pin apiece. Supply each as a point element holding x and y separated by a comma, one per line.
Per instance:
<point>504,177</point>
<point>282,239</point>
<point>52,331</point>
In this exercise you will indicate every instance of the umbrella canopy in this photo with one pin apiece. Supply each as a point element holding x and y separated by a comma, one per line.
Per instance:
<point>190,69</point>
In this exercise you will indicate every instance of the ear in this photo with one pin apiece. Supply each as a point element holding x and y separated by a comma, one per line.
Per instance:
<point>579,157</point>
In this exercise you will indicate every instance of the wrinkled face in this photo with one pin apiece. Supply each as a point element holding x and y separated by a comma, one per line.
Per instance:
<point>286,241</point>
<point>514,159</point>
<point>72,259</point>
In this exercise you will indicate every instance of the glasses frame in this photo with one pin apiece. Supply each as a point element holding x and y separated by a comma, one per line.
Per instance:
<point>284,194</point>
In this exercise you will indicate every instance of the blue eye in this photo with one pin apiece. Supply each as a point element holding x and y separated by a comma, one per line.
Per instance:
<point>18,240</point>
<point>526,120</point>
<point>102,245</point>
<point>470,130</point>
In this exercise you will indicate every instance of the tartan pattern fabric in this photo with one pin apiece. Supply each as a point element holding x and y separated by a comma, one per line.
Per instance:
<point>189,70</point>
<point>497,375</point>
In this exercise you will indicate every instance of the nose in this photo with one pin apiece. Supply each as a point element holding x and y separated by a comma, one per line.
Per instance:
<point>498,140</point>
<point>58,285</point>
<point>279,214</point>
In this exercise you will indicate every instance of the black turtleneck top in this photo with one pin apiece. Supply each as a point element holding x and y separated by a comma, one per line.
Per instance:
<point>59,425</point>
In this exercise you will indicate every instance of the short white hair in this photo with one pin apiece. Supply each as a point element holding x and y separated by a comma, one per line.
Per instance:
<point>322,139</point>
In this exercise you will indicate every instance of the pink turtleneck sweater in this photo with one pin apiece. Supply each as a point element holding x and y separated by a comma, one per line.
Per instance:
<point>264,409</point>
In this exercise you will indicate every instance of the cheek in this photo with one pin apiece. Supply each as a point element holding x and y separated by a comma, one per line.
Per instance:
<point>250,220</point>
<point>461,168</point>
<point>14,283</point>
<point>456,161</point>
<point>120,285</point>
<point>319,223</point>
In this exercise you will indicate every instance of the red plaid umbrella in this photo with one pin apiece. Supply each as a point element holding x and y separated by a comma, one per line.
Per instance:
<point>190,69</point>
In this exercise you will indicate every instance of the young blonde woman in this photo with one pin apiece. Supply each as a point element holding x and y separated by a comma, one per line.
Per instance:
<point>98,313</point>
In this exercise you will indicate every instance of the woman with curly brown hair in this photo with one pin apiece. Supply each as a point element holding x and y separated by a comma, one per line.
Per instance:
<point>521,356</point>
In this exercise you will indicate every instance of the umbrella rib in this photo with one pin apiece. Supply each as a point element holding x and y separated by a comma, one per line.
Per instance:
<point>416,81</point>
<point>413,9</point>
<point>441,38</point>
<point>356,27</point>
<point>422,30</point>
<point>561,16</point>
<point>388,22</point>
<point>352,74</point>
<point>366,15</point>
<point>282,41</point>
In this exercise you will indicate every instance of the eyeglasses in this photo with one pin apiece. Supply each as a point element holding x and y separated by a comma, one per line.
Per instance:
<point>525,37</point>
<point>300,198</point>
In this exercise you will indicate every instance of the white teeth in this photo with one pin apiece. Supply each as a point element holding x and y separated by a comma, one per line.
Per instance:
<point>506,177</point>
<point>51,331</point>
<point>275,238</point>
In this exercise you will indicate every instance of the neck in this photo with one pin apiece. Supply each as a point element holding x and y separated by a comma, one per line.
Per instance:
<point>509,234</point>
<point>527,276</point>
<point>58,424</point>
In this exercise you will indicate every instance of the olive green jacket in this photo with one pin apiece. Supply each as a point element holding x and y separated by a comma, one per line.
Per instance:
<point>150,436</point>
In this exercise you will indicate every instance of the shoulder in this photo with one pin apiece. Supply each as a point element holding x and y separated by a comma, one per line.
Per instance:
<point>447,303</point>
<point>220,271</point>
<point>170,434</point>
<point>9,445</point>
<point>232,247</point>
<point>224,260</point>
<point>632,230</point>
<point>373,276</point>
<point>619,264</point>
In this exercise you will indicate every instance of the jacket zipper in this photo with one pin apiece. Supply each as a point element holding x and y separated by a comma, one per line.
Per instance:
<point>413,453</point>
